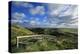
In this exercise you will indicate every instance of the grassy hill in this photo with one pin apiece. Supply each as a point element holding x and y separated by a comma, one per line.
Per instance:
<point>65,38</point>
<point>71,30</point>
<point>17,30</point>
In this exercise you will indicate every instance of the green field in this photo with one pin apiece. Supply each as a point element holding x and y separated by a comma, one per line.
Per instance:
<point>59,39</point>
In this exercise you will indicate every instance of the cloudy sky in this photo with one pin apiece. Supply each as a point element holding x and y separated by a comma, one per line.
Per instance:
<point>30,14</point>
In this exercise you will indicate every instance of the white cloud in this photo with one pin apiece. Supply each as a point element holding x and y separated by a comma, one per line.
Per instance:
<point>69,11</point>
<point>58,9</point>
<point>27,5</point>
<point>62,10</point>
<point>53,25</point>
<point>32,22</point>
<point>66,14</point>
<point>38,23</point>
<point>54,13</point>
<point>63,25</point>
<point>75,13</point>
<point>24,4</point>
<point>37,10</point>
<point>54,6</point>
<point>15,21</point>
<point>45,20</point>
<point>18,16</point>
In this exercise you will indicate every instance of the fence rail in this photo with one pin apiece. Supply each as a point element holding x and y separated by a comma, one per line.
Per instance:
<point>28,37</point>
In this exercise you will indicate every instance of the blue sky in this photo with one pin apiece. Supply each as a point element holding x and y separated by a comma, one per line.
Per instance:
<point>31,14</point>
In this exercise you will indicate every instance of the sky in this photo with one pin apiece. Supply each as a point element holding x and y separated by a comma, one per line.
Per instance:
<point>50,15</point>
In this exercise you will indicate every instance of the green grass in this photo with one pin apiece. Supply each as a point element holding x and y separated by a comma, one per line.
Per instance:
<point>18,31</point>
<point>63,38</point>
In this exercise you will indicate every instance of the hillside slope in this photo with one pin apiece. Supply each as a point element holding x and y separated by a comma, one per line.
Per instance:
<point>65,38</point>
<point>17,30</point>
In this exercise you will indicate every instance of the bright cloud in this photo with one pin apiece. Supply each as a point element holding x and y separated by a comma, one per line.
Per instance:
<point>46,15</point>
<point>58,9</point>
<point>32,22</point>
<point>37,10</point>
<point>24,4</point>
<point>63,14</point>
<point>18,16</point>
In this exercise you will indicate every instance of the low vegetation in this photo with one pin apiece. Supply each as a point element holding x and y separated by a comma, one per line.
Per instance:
<point>59,39</point>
